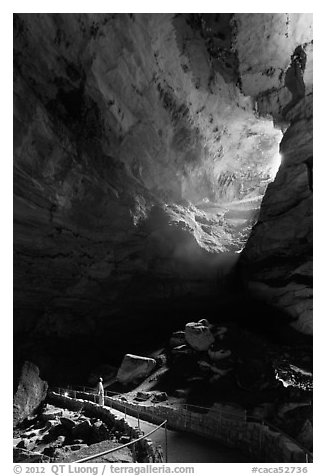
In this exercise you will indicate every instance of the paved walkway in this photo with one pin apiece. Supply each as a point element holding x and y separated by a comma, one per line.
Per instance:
<point>187,448</point>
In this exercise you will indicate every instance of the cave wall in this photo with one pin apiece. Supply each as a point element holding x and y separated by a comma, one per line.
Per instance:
<point>95,151</point>
<point>277,260</point>
<point>124,125</point>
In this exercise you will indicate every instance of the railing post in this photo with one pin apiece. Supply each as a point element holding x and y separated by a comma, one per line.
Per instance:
<point>166,443</point>
<point>138,416</point>
<point>125,412</point>
<point>134,455</point>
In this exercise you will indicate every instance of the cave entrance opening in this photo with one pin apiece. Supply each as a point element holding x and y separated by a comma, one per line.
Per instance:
<point>229,201</point>
<point>218,216</point>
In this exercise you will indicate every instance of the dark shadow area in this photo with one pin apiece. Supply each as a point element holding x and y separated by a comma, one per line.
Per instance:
<point>144,327</point>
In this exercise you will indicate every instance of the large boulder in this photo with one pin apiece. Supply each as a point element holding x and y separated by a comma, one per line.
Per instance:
<point>134,367</point>
<point>198,336</point>
<point>31,392</point>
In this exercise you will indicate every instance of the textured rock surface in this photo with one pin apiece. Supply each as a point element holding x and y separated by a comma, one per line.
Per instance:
<point>115,114</point>
<point>134,367</point>
<point>30,393</point>
<point>62,436</point>
<point>277,259</point>
<point>198,336</point>
<point>133,137</point>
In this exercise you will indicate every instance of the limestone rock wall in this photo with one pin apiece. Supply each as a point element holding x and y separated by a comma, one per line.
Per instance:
<point>130,131</point>
<point>277,260</point>
<point>30,394</point>
<point>120,128</point>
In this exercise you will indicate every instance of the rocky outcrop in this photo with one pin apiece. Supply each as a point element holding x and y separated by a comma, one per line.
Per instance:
<point>67,436</point>
<point>198,336</point>
<point>277,260</point>
<point>128,131</point>
<point>135,138</point>
<point>30,394</point>
<point>134,368</point>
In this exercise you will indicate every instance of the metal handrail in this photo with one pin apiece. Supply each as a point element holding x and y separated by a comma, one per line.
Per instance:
<point>83,388</point>
<point>221,412</point>
<point>185,405</point>
<point>112,450</point>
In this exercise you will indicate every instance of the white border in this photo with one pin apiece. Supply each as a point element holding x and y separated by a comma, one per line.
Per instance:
<point>319,466</point>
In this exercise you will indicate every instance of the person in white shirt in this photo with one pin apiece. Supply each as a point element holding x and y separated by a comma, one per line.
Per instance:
<point>100,392</point>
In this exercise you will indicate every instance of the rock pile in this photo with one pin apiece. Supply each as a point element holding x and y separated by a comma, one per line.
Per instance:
<point>58,433</point>
<point>202,343</point>
<point>198,336</point>
<point>154,396</point>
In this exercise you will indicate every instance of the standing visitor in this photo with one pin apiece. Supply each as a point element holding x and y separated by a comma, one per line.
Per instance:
<point>100,392</point>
